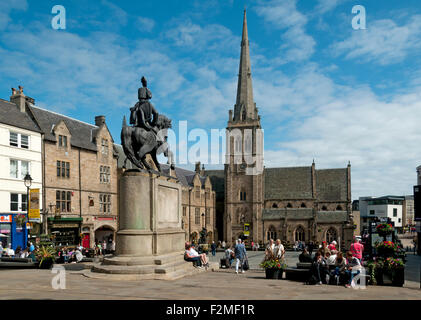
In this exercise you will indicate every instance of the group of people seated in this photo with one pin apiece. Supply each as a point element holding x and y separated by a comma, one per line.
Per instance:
<point>70,256</point>
<point>329,266</point>
<point>18,253</point>
<point>199,260</point>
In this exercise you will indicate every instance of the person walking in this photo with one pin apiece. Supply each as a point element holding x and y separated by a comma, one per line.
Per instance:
<point>240,255</point>
<point>213,248</point>
<point>357,249</point>
<point>104,247</point>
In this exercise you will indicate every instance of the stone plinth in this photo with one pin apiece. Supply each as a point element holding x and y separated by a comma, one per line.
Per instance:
<point>150,239</point>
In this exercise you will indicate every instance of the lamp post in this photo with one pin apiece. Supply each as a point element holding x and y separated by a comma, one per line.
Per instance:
<point>28,182</point>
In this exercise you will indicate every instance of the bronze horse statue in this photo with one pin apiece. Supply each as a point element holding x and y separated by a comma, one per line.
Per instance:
<point>137,142</point>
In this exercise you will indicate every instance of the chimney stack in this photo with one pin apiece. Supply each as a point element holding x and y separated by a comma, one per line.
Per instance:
<point>99,120</point>
<point>197,168</point>
<point>18,98</point>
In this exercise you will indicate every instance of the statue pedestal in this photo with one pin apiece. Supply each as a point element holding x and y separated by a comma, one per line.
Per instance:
<point>150,240</point>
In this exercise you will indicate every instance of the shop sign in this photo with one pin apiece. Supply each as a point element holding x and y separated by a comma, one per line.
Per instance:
<point>34,212</point>
<point>6,218</point>
<point>105,219</point>
<point>65,225</point>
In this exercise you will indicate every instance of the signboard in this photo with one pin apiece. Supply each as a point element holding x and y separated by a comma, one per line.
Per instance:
<point>33,212</point>
<point>65,225</point>
<point>6,218</point>
<point>246,229</point>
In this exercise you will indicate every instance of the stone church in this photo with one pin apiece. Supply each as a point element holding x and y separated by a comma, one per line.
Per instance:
<point>291,203</point>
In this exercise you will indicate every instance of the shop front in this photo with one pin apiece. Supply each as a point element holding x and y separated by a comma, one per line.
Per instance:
<point>12,232</point>
<point>65,231</point>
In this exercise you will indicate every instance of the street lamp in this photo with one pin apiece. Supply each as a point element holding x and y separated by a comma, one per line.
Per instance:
<point>28,182</point>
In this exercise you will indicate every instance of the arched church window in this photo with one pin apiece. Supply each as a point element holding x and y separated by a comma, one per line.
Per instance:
<point>275,205</point>
<point>271,233</point>
<point>331,235</point>
<point>324,208</point>
<point>244,115</point>
<point>289,205</point>
<point>339,208</point>
<point>242,195</point>
<point>300,234</point>
<point>247,144</point>
<point>303,205</point>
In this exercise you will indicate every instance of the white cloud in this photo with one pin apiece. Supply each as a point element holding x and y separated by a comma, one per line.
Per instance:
<point>335,124</point>
<point>297,44</point>
<point>145,24</point>
<point>6,7</point>
<point>383,42</point>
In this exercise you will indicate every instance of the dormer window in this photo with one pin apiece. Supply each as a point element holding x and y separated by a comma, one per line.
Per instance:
<point>104,146</point>
<point>62,141</point>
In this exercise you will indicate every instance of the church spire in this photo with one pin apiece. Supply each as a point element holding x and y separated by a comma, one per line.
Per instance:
<point>244,106</point>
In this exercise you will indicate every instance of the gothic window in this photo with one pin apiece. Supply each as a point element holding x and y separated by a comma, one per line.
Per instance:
<point>339,208</point>
<point>242,195</point>
<point>324,208</point>
<point>331,235</point>
<point>247,145</point>
<point>244,115</point>
<point>271,234</point>
<point>300,234</point>
<point>238,145</point>
<point>274,205</point>
<point>303,205</point>
<point>289,205</point>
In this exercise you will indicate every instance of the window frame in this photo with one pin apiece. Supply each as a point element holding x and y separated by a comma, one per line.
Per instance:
<point>19,143</point>
<point>19,173</point>
<point>22,206</point>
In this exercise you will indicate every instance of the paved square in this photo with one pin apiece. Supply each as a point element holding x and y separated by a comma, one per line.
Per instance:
<point>219,285</point>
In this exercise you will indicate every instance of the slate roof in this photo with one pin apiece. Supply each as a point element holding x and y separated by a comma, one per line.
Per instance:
<point>291,213</point>
<point>11,115</point>
<point>288,183</point>
<point>303,214</point>
<point>83,134</point>
<point>331,184</point>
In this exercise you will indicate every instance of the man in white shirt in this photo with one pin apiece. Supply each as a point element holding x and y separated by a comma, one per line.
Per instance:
<point>331,257</point>
<point>279,250</point>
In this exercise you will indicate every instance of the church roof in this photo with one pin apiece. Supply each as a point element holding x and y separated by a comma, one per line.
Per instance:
<point>288,183</point>
<point>304,214</point>
<point>332,184</point>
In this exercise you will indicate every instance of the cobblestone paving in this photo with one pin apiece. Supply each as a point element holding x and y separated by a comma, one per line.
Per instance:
<point>220,285</point>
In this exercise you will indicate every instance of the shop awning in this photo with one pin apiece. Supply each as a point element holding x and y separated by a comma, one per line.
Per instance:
<point>67,219</point>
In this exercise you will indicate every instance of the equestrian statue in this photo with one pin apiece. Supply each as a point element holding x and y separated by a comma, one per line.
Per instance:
<point>147,133</point>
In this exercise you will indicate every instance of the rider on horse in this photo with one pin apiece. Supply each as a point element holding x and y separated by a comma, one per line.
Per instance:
<point>142,113</point>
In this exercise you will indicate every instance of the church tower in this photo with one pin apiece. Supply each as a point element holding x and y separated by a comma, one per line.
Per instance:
<point>244,158</point>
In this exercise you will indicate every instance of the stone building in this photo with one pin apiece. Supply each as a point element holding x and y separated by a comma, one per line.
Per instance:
<point>197,200</point>
<point>297,203</point>
<point>79,192</point>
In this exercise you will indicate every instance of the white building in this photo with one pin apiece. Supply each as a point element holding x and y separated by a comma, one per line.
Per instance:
<point>381,208</point>
<point>20,153</point>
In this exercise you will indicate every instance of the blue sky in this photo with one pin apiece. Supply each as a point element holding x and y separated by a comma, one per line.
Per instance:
<point>324,90</point>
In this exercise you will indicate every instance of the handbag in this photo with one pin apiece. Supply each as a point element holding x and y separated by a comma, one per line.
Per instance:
<point>246,264</point>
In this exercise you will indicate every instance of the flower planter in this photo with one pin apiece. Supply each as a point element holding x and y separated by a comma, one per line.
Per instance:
<point>274,273</point>
<point>46,264</point>
<point>398,277</point>
<point>269,273</point>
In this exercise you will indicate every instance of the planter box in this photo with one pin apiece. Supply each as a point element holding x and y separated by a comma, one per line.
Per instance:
<point>274,273</point>
<point>395,278</point>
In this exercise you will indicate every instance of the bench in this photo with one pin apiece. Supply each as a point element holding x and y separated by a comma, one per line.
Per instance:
<point>20,260</point>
